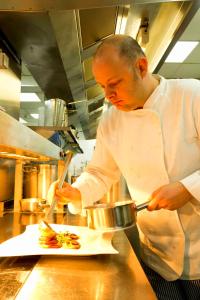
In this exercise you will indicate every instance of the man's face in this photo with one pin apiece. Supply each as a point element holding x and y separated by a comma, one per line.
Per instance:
<point>120,80</point>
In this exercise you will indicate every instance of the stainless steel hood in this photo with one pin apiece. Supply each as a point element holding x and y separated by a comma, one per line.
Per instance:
<point>51,46</point>
<point>56,41</point>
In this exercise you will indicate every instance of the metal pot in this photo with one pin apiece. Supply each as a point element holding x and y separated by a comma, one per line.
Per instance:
<point>113,216</point>
<point>37,179</point>
<point>32,204</point>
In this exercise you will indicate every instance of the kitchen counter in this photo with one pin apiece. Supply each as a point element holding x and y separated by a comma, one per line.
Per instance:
<point>98,277</point>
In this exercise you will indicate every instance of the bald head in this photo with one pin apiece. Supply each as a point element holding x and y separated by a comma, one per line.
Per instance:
<point>125,46</point>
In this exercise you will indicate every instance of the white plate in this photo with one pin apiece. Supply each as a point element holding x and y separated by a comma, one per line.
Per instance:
<point>92,243</point>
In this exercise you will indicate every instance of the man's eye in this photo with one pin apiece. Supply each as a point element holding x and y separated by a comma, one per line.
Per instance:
<point>112,84</point>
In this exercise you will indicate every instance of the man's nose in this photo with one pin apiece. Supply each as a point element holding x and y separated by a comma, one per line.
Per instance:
<point>109,93</point>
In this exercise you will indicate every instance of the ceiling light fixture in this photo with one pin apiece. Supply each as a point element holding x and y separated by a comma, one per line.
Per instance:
<point>181,51</point>
<point>21,120</point>
<point>122,18</point>
<point>29,97</point>
<point>35,116</point>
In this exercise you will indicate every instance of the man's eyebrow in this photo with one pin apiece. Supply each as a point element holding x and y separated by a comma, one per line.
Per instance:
<point>112,78</point>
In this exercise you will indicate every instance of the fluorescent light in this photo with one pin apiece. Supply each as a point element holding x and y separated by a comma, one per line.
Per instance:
<point>21,120</point>
<point>29,97</point>
<point>35,116</point>
<point>181,51</point>
<point>121,24</point>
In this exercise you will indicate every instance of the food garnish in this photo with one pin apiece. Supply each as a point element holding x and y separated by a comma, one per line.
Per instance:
<point>51,239</point>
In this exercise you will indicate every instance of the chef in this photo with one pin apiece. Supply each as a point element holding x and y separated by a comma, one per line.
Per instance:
<point>150,135</point>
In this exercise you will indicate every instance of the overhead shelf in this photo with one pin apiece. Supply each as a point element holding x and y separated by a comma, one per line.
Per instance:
<point>20,142</point>
<point>69,139</point>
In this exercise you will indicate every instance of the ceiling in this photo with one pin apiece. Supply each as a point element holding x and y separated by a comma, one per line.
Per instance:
<point>190,68</point>
<point>54,46</point>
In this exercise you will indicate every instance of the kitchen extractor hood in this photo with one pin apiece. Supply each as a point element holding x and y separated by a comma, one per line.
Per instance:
<point>56,42</point>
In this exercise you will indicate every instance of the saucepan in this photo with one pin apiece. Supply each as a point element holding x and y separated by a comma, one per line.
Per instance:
<point>33,205</point>
<point>113,216</point>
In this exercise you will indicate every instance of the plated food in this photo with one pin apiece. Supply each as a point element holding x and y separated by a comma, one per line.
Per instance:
<point>51,239</point>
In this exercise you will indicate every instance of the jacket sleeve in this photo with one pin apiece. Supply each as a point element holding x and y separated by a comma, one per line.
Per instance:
<point>192,184</point>
<point>99,175</point>
<point>192,181</point>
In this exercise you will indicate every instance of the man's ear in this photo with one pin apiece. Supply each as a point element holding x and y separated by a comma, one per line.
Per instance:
<point>142,66</point>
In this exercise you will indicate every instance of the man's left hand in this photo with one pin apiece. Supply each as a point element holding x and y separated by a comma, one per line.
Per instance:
<point>171,196</point>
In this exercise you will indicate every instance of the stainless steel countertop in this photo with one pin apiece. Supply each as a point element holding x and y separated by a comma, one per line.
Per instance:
<point>99,277</point>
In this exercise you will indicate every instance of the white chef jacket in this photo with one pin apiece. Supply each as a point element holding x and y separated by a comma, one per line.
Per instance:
<point>151,147</point>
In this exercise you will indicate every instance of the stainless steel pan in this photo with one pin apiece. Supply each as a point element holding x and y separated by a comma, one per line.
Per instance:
<point>113,216</point>
<point>33,205</point>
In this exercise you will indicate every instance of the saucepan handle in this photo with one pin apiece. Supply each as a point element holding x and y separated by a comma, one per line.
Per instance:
<point>142,206</point>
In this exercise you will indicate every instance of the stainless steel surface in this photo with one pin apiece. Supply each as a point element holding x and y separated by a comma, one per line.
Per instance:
<point>55,113</point>
<point>10,86</point>
<point>113,216</point>
<point>30,181</point>
<point>47,174</point>
<point>142,206</point>
<point>37,179</point>
<point>69,45</point>
<point>67,138</point>
<point>17,139</point>
<point>13,274</point>
<point>101,277</point>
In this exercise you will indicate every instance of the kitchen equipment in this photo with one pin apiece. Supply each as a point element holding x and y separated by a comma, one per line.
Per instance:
<point>113,216</point>
<point>46,175</point>
<point>32,204</point>
<point>55,113</point>
<point>30,181</point>
<point>37,179</point>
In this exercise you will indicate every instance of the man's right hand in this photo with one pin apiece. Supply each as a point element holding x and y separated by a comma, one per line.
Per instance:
<point>67,194</point>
